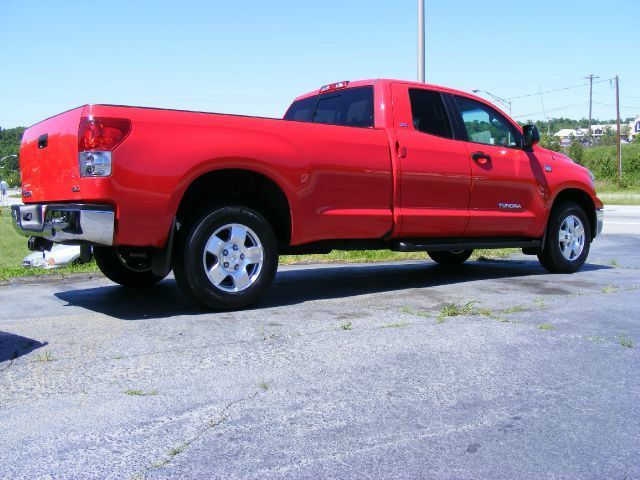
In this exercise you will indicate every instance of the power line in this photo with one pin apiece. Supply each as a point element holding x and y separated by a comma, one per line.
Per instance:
<point>553,109</point>
<point>556,90</point>
<point>621,106</point>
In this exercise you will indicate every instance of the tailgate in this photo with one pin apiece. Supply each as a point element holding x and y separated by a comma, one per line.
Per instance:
<point>49,159</point>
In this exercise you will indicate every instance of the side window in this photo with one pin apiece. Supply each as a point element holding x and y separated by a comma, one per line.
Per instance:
<point>429,113</point>
<point>302,110</point>
<point>486,125</point>
<point>351,108</point>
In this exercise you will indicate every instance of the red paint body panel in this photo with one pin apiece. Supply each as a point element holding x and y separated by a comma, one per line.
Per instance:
<point>340,182</point>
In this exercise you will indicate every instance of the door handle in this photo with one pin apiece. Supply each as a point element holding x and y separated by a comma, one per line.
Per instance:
<point>481,157</point>
<point>401,150</point>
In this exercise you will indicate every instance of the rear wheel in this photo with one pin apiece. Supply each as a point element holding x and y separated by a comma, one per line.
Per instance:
<point>568,239</point>
<point>451,257</point>
<point>126,267</point>
<point>228,258</point>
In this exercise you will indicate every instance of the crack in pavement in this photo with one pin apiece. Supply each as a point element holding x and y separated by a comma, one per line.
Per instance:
<point>208,426</point>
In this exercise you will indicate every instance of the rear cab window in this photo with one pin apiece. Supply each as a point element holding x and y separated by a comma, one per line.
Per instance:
<point>429,113</point>
<point>352,107</point>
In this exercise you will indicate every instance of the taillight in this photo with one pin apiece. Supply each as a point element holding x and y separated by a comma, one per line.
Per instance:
<point>103,134</point>
<point>97,137</point>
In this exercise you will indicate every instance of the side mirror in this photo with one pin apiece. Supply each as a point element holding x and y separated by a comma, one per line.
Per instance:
<point>531,136</point>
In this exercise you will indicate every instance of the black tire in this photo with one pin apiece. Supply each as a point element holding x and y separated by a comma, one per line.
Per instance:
<point>119,267</point>
<point>191,260</point>
<point>551,256</point>
<point>450,257</point>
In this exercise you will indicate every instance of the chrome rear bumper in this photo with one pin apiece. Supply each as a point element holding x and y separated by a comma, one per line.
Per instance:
<point>66,223</point>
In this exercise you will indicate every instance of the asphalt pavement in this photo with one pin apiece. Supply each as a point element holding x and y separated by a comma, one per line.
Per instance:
<point>343,371</point>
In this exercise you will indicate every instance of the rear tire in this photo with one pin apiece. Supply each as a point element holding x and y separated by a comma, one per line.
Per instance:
<point>451,257</point>
<point>227,259</point>
<point>567,241</point>
<point>122,268</point>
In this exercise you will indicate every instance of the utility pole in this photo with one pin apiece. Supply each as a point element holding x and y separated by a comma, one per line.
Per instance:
<point>590,77</point>
<point>421,59</point>
<point>618,146</point>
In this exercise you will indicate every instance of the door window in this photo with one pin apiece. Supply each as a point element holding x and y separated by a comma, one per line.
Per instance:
<point>429,113</point>
<point>485,125</point>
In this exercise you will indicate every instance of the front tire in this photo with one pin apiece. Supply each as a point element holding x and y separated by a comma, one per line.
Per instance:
<point>568,239</point>
<point>228,259</point>
<point>451,257</point>
<point>121,267</point>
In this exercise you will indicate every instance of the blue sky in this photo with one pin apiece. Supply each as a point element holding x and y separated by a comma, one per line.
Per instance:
<point>253,57</point>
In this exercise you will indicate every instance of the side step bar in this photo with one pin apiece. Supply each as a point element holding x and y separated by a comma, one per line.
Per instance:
<point>446,244</point>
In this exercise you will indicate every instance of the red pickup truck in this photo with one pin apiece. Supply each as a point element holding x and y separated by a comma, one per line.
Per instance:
<point>373,164</point>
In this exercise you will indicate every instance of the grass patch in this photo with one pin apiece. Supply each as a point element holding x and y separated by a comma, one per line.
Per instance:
<point>13,247</point>
<point>610,289</point>
<point>417,313</point>
<point>546,326</point>
<point>396,325</point>
<point>514,309</point>
<point>595,338</point>
<point>368,256</point>
<point>487,255</point>
<point>346,326</point>
<point>141,393</point>
<point>456,310</point>
<point>625,341</point>
<point>44,357</point>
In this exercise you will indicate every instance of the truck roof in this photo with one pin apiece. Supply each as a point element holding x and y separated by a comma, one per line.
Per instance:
<point>368,82</point>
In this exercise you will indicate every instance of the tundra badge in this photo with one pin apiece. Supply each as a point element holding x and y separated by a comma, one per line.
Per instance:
<point>510,206</point>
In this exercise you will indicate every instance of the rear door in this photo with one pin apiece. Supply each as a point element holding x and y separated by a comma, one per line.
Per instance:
<point>49,159</point>
<point>505,193</point>
<point>434,169</point>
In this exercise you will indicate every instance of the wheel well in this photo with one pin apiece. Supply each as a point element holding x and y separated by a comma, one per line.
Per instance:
<point>583,199</point>
<point>241,187</point>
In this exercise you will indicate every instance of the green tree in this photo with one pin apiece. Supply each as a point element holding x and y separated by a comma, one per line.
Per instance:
<point>576,151</point>
<point>550,142</point>
<point>10,139</point>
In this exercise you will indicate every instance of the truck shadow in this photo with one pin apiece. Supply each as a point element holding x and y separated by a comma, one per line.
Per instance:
<point>13,346</point>
<point>314,282</point>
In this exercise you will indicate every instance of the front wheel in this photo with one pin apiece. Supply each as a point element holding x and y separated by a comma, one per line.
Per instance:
<point>568,240</point>
<point>228,259</point>
<point>451,257</point>
<point>125,267</point>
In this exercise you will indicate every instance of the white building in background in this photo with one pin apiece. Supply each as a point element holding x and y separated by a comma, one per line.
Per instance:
<point>634,129</point>
<point>567,134</point>
<point>598,131</point>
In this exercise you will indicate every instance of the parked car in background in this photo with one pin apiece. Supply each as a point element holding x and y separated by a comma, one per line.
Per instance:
<point>59,256</point>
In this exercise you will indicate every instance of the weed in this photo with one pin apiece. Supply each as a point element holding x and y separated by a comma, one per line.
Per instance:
<point>44,357</point>
<point>613,262</point>
<point>514,309</point>
<point>141,393</point>
<point>411,311</point>
<point>346,326</point>
<point>540,303</point>
<point>610,289</point>
<point>396,325</point>
<point>456,310</point>
<point>118,357</point>
<point>264,385</point>
<point>176,451</point>
<point>546,326</point>
<point>625,341</point>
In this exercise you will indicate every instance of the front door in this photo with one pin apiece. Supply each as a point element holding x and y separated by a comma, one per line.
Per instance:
<point>505,194</point>
<point>434,171</point>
